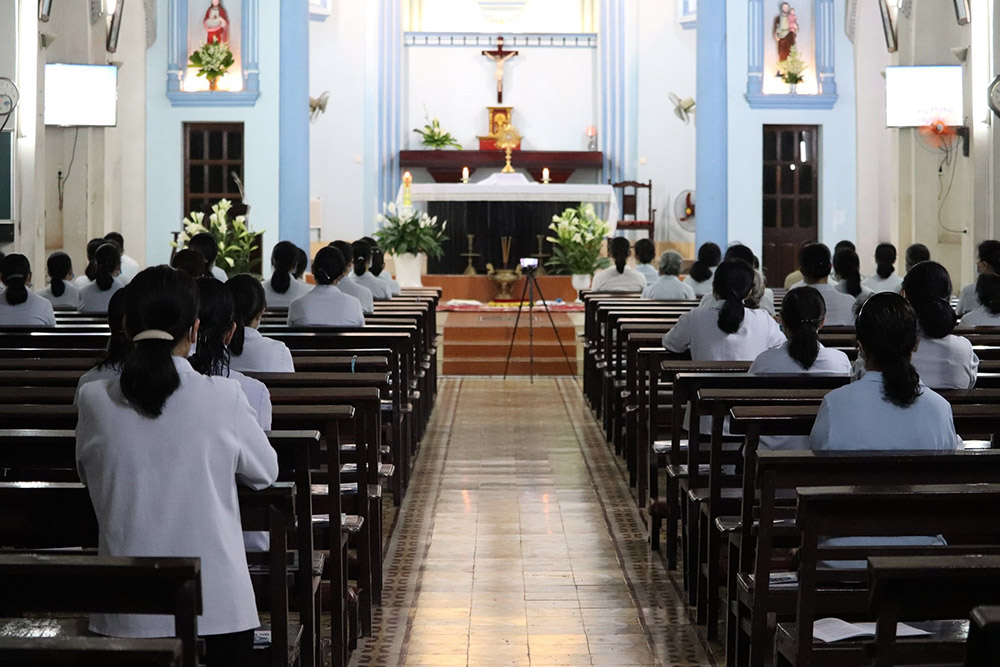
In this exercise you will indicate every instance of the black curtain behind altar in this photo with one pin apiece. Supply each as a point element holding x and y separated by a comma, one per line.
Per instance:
<point>489,221</point>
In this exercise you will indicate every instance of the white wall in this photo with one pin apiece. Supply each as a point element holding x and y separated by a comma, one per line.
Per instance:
<point>838,156</point>
<point>165,149</point>
<point>338,51</point>
<point>666,145</point>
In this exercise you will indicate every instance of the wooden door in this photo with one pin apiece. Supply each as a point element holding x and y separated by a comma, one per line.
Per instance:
<point>790,196</point>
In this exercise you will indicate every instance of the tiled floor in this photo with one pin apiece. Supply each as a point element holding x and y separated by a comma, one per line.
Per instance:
<point>518,544</point>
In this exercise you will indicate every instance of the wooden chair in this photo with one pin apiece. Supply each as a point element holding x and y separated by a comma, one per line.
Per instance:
<point>630,206</point>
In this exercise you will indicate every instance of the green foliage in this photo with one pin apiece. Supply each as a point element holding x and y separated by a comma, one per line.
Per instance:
<point>234,237</point>
<point>792,67</point>
<point>212,60</point>
<point>405,230</point>
<point>579,237</point>
<point>433,136</point>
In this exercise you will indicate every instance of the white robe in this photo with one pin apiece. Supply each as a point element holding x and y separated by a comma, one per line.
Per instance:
<point>609,280</point>
<point>649,272</point>
<point>165,486</point>
<point>980,317</point>
<point>348,286</point>
<point>326,306</point>
<point>283,299</point>
<point>668,288</point>
<point>94,300</point>
<point>35,312</point>
<point>891,284</point>
<point>262,354</point>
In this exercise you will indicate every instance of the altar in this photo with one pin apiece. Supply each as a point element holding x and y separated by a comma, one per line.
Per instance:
<point>502,205</point>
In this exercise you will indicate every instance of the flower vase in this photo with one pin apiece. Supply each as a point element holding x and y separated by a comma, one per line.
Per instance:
<point>581,281</point>
<point>408,267</point>
<point>792,88</point>
<point>213,83</point>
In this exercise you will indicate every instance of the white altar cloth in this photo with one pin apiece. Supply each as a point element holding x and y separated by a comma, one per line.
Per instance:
<point>524,191</point>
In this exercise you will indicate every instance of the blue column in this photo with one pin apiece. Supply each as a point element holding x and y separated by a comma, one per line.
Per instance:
<point>712,124</point>
<point>293,127</point>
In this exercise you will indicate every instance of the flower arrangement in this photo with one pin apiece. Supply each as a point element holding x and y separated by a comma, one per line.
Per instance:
<point>579,236</point>
<point>792,68</point>
<point>234,237</point>
<point>212,60</point>
<point>433,136</point>
<point>404,230</point>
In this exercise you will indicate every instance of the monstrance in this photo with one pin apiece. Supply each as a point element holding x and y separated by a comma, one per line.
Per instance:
<point>508,139</point>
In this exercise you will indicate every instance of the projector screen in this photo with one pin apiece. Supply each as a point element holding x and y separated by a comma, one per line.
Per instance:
<point>919,96</point>
<point>81,95</point>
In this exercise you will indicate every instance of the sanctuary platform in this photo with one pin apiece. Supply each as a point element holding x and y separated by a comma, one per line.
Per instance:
<point>476,343</point>
<point>481,288</point>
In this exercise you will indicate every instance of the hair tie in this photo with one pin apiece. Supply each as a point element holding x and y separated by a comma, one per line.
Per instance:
<point>151,334</point>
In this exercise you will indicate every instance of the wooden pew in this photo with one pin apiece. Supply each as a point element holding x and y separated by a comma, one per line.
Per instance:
<point>85,584</point>
<point>984,637</point>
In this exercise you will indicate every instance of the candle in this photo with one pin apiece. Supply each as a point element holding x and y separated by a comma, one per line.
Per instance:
<point>407,180</point>
<point>545,175</point>
<point>465,174</point>
<point>591,131</point>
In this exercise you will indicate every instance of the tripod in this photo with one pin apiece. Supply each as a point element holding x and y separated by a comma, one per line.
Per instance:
<point>530,285</point>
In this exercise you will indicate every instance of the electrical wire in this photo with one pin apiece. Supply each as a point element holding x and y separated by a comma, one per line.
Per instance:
<point>60,179</point>
<point>949,159</point>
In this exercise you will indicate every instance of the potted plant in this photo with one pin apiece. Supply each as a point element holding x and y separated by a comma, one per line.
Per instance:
<point>791,70</point>
<point>212,60</point>
<point>234,237</point>
<point>434,137</point>
<point>411,236</point>
<point>576,245</point>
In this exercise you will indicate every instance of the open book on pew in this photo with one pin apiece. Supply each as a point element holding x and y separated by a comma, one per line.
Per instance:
<point>781,580</point>
<point>834,630</point>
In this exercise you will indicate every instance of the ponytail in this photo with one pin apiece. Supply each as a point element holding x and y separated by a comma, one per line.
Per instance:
<point>848,266</point>
<point>249,302</point>
<point>92,246</point>
<point>885,258</point>
<point>709,256</point>
<point>60,266</point>
<point>215,311</point>
<point>802,311</point>
<point>988,292</point>
<point>107,260</point>
<point>328,265</point>
<point>162,303</point>
<point>732,284</point>
<point>619,248</point>
<point>283,260</point>
<point>887,333</point>
<point>14,270</point>
<point>362,257</point>
<point>928,289</point>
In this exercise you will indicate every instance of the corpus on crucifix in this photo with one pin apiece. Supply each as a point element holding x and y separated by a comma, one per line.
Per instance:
<point>499,56</point>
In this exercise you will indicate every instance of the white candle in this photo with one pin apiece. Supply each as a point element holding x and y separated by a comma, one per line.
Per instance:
<point>465,174</point>
<point>545,175</point>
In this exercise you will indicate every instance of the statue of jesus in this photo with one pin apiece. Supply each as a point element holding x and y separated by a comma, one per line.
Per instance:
<point>499,56</point>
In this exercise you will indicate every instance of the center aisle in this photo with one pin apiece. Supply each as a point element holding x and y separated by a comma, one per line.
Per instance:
<point>518,544</point>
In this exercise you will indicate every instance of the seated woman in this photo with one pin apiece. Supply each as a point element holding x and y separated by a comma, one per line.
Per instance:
<point>119,345</point>
<point>619,278</point>
<point>885,279</point>
<point>190,262</point>
<point>61,292</point>
<point>211,357</point>
<point>700,276</point>
<point>378,270</point>
<point>943,360</point>
<point>90,272</point>
<point>161,451</point>
<point>988,294</point>
<point>645,253</point>
<point>19,306</point>
<point>669,286</point>
<point>889,408</point>
<point>803,313</point>
<point>847,266</point>
<point>94,297</point>
<point>347,283</point>
<point>362,276</point>
<point>760,295</point>
<point>281,288</point>
<point>988,255</point>
<point>815,264</point>
<point>248,349</point>
<point>325,305</point>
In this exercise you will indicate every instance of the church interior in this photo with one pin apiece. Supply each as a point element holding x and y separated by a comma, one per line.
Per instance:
<point>615,332</point>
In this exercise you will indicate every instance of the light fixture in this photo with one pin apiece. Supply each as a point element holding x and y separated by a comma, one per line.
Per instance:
<point>44,9</point>
<point>803,149</point>
<point>113,10</point>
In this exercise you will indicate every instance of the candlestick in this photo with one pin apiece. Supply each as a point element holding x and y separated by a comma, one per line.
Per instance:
<point>591,138</point>
<point>407,181</point>
<point>545,175</point>
<point>591,131</point>
<point>465,174</point>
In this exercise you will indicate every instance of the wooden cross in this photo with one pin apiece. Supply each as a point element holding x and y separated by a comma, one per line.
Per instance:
<point>499,56</point>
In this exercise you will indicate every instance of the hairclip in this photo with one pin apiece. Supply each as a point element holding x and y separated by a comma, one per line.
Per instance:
<point>152,334</point>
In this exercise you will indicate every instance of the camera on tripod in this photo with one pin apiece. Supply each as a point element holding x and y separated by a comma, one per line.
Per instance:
<point>529,264</point>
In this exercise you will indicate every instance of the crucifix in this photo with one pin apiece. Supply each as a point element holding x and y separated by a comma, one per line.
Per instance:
<point>499,57</point>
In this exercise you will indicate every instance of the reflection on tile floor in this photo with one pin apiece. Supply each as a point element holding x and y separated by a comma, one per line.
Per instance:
<point>518,544</point>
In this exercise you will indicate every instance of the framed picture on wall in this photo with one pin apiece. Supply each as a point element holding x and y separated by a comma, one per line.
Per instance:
<point>890,23</point>
<point>319,10</point>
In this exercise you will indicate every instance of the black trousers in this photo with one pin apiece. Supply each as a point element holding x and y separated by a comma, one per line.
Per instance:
<point>230,650</point>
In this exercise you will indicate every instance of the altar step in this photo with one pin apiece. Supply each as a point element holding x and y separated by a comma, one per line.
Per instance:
<point>477,344</point>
